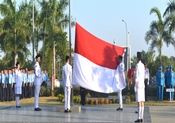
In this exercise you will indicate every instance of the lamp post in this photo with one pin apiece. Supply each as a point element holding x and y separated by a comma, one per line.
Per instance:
<point>70,50</point>
<point>33,29</point>
<point>127,45</point>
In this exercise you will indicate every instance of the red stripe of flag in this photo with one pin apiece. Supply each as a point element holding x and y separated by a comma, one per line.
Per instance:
<point>96,50</point>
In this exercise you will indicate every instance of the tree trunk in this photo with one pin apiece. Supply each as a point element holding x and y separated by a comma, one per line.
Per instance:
<point>53,68</point>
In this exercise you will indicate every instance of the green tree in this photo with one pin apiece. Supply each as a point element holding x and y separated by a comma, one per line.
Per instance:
<point>54,21</point>
<point>159,33</point>
<point>15,34</point>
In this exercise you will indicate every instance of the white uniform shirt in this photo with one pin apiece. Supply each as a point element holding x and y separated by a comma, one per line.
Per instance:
<point>38,74</point>
<point>67,75</point>
<point>147,74</point>
<point>18,78</point>
<point>140,75</point>
<point>120,77</point>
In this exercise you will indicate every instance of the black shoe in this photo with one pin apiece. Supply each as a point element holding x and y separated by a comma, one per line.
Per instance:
<point>136,112</point>
<point>119,109</point>
<point>18,106</point>
<point>65,111</point>
<point>138,121</point>
<point>37,109</point>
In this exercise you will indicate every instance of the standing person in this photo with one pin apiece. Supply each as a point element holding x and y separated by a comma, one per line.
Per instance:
<point>83,96</point>
<point>47,76</point>
<point>121,79</point>
<point>18,85</point>
<point>166,82</point>
<point>37,82</point>
<point>25,83</point>
<point>171,80</point>
<point>6,96</point>
<point>146,81</point>
<point>32,84</point>
<point>0,85</point>
<point>10,86</point>
<point>160,81</point>
<point>67,83</point>
<point>13,81</point>
<point>140,87</point>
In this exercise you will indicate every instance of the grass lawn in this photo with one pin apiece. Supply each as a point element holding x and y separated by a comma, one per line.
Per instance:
<point>54,101</point>
<point>30,101</point>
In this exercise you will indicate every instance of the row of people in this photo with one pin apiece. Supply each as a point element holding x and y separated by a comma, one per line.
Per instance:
<point>166,80</point>
<point>7,83</point>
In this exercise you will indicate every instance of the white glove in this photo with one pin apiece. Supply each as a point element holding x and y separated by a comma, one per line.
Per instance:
<point>135,89</point>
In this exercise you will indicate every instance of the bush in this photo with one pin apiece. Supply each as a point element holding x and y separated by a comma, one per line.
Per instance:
<point>113,100</point>
<point>60,90</point>
<point>60,97</point>
<point>45,91</point>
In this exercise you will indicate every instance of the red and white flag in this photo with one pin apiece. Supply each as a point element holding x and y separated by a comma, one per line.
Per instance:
<point>95,63</point>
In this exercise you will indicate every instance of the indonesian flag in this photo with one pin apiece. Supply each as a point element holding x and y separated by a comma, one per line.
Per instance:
<point>95,63</point>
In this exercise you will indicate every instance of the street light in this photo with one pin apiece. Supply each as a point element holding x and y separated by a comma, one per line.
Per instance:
<point>126,32</point>
<point>33,29</point>
<point>128,49</point>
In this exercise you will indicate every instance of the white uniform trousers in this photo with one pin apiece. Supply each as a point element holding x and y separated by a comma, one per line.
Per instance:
<point>120,98</point>
<point>37,91</point>
<point>67,92</point>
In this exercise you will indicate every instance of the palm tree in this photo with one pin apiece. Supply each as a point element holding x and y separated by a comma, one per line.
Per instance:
<point>170,8</point>
<point>159,33</point>
<point>15,31</point>
<point>55,21</point>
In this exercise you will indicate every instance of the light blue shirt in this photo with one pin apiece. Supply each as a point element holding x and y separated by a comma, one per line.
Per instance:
<point>0,78</point>
<point>6,79</point>
<point>3,79</point>
<point>13,75</point>
<point>10,78</point>
<point>33,77</point>
<point>43,77</point>
<point>25,77</point>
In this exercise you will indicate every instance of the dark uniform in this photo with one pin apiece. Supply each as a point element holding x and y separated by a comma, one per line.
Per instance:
<point>83,95</point>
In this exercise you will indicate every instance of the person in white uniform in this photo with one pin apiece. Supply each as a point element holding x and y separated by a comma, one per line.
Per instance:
<point>67,84</point>
<point>121,79</point>
<point>18,85</point>
<point>37,83</point>
<point>140,87</point>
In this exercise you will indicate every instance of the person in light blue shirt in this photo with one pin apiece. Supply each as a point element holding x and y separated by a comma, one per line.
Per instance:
<point>171,80</point>
<point>47,76</point>
<point>29,84</point>
<point>3,86</point>
<point>0,85</point>
<point>43,78</point>
<point>25,83</point>
<point>33,79</point>
<point>10,86</point>
<point>13,81</point>
<point>160,82</point>
<point>6,83</point>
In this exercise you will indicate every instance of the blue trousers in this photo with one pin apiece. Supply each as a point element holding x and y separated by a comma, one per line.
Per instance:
<point>160,92</point>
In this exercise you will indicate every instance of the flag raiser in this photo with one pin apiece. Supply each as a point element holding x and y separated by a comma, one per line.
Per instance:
<point>95,63</point>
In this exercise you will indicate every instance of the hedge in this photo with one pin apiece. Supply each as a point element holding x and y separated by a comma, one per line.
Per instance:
<point>152,91</point>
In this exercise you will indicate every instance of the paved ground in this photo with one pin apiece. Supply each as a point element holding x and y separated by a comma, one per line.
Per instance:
<point>156,114</point>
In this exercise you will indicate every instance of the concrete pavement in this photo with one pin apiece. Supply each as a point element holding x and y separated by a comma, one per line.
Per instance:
<point>156,114</point>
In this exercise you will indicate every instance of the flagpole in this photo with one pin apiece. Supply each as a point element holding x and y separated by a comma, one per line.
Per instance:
<point>70,49</point>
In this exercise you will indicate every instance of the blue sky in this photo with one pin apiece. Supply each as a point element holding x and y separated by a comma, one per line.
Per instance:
<point>103,18</point>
